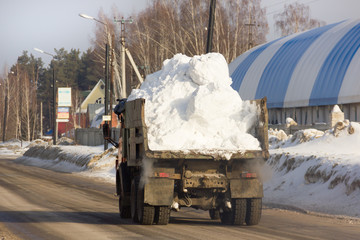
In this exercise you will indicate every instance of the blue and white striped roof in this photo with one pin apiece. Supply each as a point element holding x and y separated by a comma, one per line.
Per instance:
<point>317,67</point>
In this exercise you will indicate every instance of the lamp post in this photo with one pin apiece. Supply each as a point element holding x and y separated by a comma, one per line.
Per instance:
<point>55,130</point>
<point>107,83</point>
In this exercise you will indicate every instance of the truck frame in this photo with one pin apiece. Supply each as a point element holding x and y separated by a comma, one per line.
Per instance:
<point>152,183</point>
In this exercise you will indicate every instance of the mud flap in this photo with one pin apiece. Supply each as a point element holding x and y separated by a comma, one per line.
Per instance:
<point>246,188</point>
<point>159,192</point>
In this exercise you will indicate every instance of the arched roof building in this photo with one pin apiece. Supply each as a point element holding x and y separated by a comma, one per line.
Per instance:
<point>303,75</point>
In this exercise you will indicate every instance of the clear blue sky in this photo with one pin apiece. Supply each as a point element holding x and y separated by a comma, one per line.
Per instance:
<point>49,24</point>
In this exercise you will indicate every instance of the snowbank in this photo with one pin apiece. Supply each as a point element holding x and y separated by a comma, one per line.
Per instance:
<point>317,171</point>
<point>190,105</point>
<point>91,161</point>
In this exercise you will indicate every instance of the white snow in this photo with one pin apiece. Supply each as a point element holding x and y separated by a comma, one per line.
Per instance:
<point>336,108</point>
<point>316,171</point>
<point>190,105</point>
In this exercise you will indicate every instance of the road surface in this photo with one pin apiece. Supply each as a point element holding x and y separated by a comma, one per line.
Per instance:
<point>37,203</point>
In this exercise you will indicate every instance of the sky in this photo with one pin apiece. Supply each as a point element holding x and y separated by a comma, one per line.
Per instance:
<point>54,24</point>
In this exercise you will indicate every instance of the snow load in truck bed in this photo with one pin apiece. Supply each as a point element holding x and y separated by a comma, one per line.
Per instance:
<point>190,105</point>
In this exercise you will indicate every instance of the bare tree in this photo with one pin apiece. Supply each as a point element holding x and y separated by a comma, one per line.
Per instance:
<point>295,18</point>
<point>168,27</point>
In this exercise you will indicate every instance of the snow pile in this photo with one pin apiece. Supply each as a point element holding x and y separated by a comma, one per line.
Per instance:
<point>279,139</point>
<point>336,109</point>
<point>290,122</point>
<point>190,105</point>
<point>13,146</point>
<point>320,173</point>
<point>65,158</point>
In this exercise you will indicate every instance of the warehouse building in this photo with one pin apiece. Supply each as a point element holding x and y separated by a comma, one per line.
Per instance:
<point>305,74</point>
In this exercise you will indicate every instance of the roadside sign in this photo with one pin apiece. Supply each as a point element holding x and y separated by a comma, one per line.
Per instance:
<point>63,112</point>
<point>63,109</point>
<point>64,97</point>
<point>62,120</point>
<point>106,117</point>
<point>63,115</point>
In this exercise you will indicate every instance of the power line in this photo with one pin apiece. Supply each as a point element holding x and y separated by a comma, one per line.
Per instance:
<point>279,10</point>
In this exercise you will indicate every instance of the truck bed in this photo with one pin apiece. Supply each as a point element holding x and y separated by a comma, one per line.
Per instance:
<point>136,147</point>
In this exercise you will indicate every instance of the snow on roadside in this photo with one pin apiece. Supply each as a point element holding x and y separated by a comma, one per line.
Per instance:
<point>13,146</point>
<point>316,171</point>
<point>85,160</point>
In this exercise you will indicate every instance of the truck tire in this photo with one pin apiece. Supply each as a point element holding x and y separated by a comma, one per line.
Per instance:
<point>162,215</point>
<point>253,214</point>
<point>145,212</point>
<point>125,211</point>
<point>214,214</point>
<point>239,211</point>
<point>237,214</point>
<point>123,190</point>
<point>133,198</point>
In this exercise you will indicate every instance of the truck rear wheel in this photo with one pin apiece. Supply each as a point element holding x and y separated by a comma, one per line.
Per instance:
<point>253,213</point>
<point>123,189</point>
<point>214,214</point>
<point>162,215</point>
<point>125,211</point>
<point>133,198</point>
<point>145,212</point>
<point>237,214</point>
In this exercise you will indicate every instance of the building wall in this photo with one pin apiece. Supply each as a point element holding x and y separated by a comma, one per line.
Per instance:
<point>313,115</point>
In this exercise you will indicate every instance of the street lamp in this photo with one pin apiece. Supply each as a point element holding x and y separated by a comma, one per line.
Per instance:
<point>55,130</point>
<point>107,83</point>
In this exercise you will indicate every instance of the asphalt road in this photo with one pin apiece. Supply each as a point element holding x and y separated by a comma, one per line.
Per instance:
<point>37,203</point>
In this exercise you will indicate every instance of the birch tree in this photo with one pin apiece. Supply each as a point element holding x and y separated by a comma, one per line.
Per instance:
<point>295,18</point>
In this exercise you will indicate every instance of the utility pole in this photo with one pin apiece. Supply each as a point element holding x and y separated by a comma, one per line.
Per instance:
<point>211,26</point>
<point>107,87</point>
<point>250,25</point>
<point>41,120</point>
<point>55,129</point>
<point>6,103</point>
<point>122,55</point>
<point>112,76</point>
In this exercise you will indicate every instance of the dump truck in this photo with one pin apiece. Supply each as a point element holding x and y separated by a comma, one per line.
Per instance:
<point>152,183</point>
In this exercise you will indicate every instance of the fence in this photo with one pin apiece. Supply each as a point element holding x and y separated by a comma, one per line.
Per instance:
<point>93,136</point>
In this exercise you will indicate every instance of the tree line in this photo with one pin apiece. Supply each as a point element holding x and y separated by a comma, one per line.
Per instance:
<point>162,29</point>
